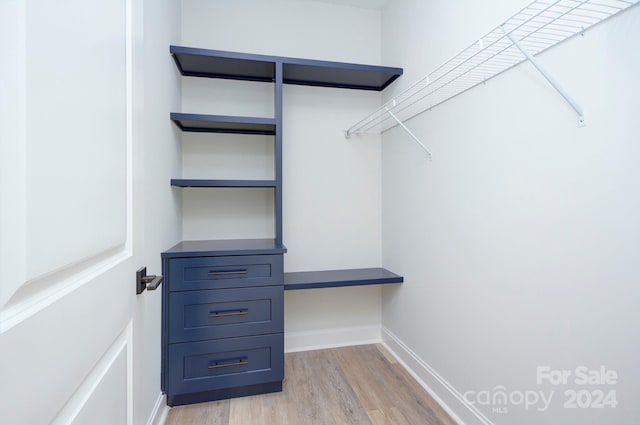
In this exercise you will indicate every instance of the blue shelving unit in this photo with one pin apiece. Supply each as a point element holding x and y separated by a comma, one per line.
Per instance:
<point>196,62</point>
<point>222,308</point>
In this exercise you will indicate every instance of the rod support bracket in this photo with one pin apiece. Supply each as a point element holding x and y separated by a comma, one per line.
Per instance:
<point>413,136</point>
<point>546,75</point>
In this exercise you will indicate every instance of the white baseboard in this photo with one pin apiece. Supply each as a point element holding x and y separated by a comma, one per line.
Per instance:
<point>433,383</point>
<point>331,338</point>
<point>160,411</point>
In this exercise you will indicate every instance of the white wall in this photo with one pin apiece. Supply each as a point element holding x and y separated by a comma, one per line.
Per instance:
<point>162,205</point>
<point>519,242</point>
<point>331,185</point>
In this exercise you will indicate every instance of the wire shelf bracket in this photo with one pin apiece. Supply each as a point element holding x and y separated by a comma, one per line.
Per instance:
<point>537,27</point>
<point>347,134</point>
<point>413,136</point>
<point>548,77</point>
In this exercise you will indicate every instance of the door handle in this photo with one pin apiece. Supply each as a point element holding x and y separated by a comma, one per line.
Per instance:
<point>143,281</point>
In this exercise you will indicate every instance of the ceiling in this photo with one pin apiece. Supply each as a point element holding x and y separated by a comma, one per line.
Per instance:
<point>365,4</point>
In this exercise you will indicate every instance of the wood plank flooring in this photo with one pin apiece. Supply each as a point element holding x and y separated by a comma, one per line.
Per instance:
<point>359,385</point>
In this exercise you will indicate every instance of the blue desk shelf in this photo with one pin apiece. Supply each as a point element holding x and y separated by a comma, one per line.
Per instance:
<point>222,183</point>
<point>339,278</point>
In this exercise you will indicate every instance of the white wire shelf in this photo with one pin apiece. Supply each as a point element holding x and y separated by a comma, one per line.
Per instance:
<point>535,28</point>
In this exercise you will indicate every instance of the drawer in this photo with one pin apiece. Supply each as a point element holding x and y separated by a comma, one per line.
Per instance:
<point>223,313</point>
<point>187,274</point>
<point>225,363</point>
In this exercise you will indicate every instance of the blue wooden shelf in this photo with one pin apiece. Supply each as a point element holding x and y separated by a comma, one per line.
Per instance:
<point>242,66</point>
<point>222,183</point>
<point>338,74</point>
<point>202,123</point>
<point>338,278</point>
<point>194,62</point>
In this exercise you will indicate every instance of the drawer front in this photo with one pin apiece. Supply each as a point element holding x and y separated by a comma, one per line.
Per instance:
<point>188,274</point>
<point>224,313</point>
<point>225,363</point>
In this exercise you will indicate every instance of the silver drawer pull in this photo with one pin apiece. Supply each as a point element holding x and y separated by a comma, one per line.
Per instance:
<point>239,362</point>
<point>227,313</point>
<point>229,273</point>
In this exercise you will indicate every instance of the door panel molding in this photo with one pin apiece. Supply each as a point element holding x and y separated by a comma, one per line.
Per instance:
<point>110,363</point>
<point>22,296</point>
<point>52,353</point>
<point>13,148</point>
<point>31,299</point>
<point>77,118</point>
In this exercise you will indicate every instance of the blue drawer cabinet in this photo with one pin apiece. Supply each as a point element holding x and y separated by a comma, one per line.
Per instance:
<point>232,362</point>
<point>224,313</point>
<point>189,274</point>
<point>222,320</point>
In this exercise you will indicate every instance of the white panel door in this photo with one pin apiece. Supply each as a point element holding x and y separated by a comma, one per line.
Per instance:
<point>68,216</point>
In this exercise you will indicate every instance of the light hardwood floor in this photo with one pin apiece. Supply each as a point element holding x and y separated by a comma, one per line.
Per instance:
<point>360,385</point>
